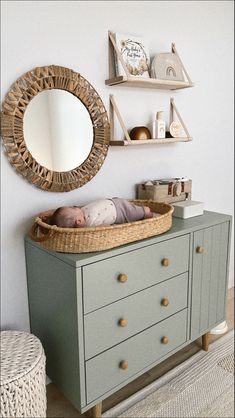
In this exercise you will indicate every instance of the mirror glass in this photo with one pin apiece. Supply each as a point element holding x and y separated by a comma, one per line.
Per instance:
<point>58,130</point>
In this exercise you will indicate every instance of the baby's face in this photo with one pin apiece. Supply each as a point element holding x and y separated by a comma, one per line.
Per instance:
<point>77,214</point>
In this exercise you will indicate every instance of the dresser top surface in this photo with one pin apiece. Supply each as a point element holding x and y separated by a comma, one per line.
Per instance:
<point>179,227</point>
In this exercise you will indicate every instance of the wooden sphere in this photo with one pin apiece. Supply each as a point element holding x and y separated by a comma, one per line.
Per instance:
<point>140,133</point>
<point>165,302</point>
<point>122,322</point>
<point>123,364</point>
<point>165,262</point>
<point>122,278</point>
<point>165,340</point>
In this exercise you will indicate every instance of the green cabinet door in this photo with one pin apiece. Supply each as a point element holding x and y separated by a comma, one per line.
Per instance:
<point>209,278</point>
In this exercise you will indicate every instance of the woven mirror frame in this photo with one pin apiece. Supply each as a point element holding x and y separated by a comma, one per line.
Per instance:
<point>16,101</point>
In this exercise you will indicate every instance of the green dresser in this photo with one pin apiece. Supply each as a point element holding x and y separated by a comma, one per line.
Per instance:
<point>106,318</point>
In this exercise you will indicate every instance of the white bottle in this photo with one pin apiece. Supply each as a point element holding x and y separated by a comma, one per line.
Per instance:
<point>159,127</point>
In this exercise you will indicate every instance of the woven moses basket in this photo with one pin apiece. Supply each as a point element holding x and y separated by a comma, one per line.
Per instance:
<point>84,240</point>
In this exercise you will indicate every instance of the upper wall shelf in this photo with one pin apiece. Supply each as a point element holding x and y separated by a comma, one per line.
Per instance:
<point>149,83</point>
<point>132,81</point>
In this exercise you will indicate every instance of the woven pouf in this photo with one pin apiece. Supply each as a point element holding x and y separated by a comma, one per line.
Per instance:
<point>23,376</point>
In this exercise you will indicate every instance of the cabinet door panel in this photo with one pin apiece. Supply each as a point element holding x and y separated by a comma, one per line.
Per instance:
<point>205,271</point>
<point>216,265</point>
<point>209,278</point>
<point>223,266</point>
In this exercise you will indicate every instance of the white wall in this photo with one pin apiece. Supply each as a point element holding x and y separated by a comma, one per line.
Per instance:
<point>74,34</point>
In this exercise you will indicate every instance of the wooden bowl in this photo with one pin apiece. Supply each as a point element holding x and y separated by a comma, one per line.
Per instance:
<point>140,133</point>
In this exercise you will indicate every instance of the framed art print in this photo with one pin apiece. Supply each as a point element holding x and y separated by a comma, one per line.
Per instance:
<point>135,54</point>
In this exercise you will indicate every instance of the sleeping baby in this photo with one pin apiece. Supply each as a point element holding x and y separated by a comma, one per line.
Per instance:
<point>101,212</point>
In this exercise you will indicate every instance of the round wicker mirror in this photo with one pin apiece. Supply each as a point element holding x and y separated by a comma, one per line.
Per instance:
<point>15,104</point>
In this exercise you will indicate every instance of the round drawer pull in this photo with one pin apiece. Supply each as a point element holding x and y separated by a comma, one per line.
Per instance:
<point>123,365</point>
<point>122,278</point>
<point>165,262</point>
<point>200,249</point>
<point>165,340</point>
<point>122,322</point>
<point>165,302</point>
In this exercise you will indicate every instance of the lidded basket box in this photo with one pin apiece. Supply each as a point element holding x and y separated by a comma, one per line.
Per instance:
<point>166,190</point>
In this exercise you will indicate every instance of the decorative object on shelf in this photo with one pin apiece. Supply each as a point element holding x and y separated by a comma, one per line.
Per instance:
<point>127,139</point>
<point>22,128</point>
<point>88,239</point>
<point>165,190</point>
<point>166,66</point>
<point>175,129</point>
<point>134,53</point>
<point>159,127</point>
<point>140,133</point>
<point>129,80</point>
<point>188,209</point>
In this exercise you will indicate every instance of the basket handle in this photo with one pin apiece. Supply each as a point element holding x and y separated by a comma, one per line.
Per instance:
<point>33,234</point>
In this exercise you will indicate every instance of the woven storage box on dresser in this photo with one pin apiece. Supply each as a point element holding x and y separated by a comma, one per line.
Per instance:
<point>23,377</point>
<point>166,190</point>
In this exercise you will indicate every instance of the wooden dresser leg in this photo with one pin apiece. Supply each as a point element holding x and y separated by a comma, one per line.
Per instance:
<point>205,342</point>
<point>96,411</point>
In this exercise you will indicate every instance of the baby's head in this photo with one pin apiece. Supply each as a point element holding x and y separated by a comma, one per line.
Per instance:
<point>68,217</point>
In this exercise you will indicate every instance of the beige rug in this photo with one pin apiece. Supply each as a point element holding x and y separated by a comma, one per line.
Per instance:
<point>202,386</point>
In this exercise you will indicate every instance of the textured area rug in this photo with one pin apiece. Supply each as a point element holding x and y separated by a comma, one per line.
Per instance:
<point>202,386</point>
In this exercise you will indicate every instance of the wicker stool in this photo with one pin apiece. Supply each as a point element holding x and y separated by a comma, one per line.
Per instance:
<point>23,377</point>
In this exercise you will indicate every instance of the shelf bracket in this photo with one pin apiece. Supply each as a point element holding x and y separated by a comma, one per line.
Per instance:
<point>174,51</point>
<point>112,47</point>
<point>113,109</point>
<point>174,108</point>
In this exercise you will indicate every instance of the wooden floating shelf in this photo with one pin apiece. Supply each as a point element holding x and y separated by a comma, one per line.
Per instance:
<point>150,83</point>
<point>128,80</point>
<point>127,141</point>
<point>124,143</point>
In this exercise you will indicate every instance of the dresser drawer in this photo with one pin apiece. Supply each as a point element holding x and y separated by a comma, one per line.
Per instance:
<point>139,269</point>
<point>105,371</point>
<point>116,322</point>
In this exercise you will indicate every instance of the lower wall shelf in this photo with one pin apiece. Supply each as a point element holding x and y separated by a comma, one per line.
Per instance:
<point>149,141</point>
<point>127,140</point>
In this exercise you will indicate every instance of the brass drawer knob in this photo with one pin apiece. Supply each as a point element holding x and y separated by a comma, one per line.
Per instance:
<point>165,340</point>
<point>165,302</point>
<point>200,249</point>
<point>122,278</point>
<point>165,262</point>
<point>122,322</point>
<point>123,365</point>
